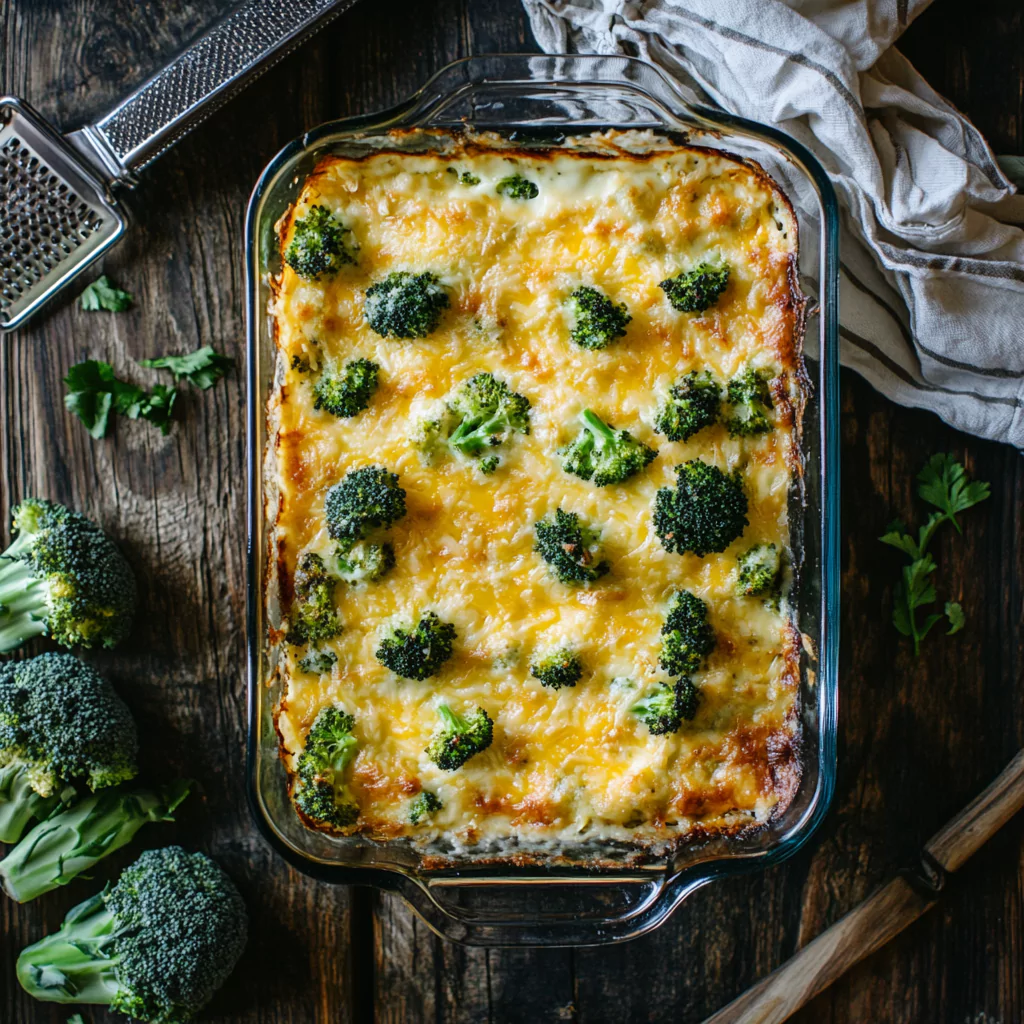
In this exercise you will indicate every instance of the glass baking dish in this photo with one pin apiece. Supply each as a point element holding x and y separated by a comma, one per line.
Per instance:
<point>538,100</point>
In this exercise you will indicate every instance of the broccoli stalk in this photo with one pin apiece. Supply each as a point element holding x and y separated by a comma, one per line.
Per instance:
<point>420,652</point>
<point>61,725</point>
<point>320,792</point>
<point>605,455</point>
<point>66,844</point>
<point>694,291</point>
<point>346,392</point>
<point>405,305</point>
<point>63,576</point>
<point>597,320</point>
<point>759,570</point>
<point>558,668</point>
<point>665,708</point>
<point>692,404</point>
<point>706,513</point>
<point>570,548</point>
<point>459,738</point>
<point>687,635</point>
<point>750,401</point>
<point>155,947</point>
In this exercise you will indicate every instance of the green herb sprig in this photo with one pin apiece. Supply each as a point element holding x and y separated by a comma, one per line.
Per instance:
<point>101,294</point>
<point>944,483</point>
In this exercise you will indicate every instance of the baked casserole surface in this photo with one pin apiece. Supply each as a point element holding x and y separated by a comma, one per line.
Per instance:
<point>602,724</point>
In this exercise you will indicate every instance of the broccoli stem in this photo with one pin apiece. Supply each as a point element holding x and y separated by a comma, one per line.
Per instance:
<point>449,719</point>
<point>22,598</point>
<point>471,437</point>
<point>65,845</point>
<point>594,423</point>
<point>20,803</point>
<point>72,965</point>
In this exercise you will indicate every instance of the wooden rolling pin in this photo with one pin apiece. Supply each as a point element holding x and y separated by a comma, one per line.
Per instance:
<point>883,915</point>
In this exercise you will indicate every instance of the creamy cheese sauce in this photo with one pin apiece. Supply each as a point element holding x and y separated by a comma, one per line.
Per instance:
<point>575,761</point>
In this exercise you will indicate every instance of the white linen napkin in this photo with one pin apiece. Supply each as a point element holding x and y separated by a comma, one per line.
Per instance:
<point>932,288</point>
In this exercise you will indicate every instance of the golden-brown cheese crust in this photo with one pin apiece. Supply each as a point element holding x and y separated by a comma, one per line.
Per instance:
<point>574,763</point>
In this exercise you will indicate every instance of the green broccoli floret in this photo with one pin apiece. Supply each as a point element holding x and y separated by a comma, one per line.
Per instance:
<point>61,725</point>
<point>60,848</point>
<point>63,576</point>
<point>349,391</point>
<point>365,563</point>
<point>750,401</point>
<point>363,500</point>
<point>320,792</point>
<point>155,947</point>
<point>422,806</point>
<point>317,661</point>
<point>694,291</point>
<point>558,668</point>
<point>459,738</point>
<point>570,548</point>
<point>466,178</point>
<point>692,404</point>
<point>515,186</point>
<point>321,245</point>
<point>605,455</point>
<point>489,464</point>
<point>420,652</point>
<point>687,636</point>
<point>405,305</point>
<point>759,570</point>
<point>314,617</point>
<point>666,707</point>
<point>597,321</point>
<point>706,512</point>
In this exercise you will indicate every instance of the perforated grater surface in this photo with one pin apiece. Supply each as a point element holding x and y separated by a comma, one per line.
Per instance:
<point>58,208</point>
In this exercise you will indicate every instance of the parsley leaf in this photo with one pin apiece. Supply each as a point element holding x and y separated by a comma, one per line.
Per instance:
<point>101,294</point>
<point>943,483</point>
<point>94,390</point>
<point>956,617</point>
<point>202,368</point>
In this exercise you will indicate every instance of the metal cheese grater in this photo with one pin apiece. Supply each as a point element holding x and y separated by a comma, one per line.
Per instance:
<point>57,209</point>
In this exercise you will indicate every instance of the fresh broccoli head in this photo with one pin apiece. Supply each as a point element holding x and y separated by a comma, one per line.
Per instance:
<point>155,947</point>
<point>422,806</point>
<point>691,405</point>
<point>759,570</point>
<point>63,576</point>
<point>687,636</point>
<point>605,455</point>
<point>61,724</point>
<point>666,707</point>
<point>420,652</point>
<point>320,245</point>
<point>596,320</point>
<point>515,186</point>
<point>694,291</point>
<point>459,738</point>
<point>314,617</point>
<point>570,548</point>
<point>364,499</point>
<point>750,401</point>
<point>558,668</point>
<point>405,305</point>
<point>320,792</point>
<point>318,661</point>
<point>348,391</point>
<point>364,562</point>
<point>706,512</point>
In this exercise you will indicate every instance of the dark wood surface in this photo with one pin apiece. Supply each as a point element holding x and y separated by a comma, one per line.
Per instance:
<point>917,738</point>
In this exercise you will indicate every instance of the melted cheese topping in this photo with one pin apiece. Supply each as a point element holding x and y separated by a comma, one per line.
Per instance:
<point>575,761</point>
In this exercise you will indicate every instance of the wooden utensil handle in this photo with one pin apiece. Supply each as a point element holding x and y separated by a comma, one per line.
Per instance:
<point>826,958</point>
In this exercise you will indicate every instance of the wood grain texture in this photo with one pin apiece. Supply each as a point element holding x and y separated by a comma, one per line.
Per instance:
<point>917,738</point>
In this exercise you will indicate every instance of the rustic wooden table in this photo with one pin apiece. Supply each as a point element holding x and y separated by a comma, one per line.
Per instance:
<point>917,738</point>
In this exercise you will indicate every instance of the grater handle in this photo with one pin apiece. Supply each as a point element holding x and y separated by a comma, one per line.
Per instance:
<point>214,68</point>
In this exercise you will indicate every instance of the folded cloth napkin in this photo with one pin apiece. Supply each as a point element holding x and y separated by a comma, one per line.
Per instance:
<point>932,287</point>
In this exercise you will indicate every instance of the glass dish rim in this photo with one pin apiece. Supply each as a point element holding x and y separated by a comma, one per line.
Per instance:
<point>678,113</point>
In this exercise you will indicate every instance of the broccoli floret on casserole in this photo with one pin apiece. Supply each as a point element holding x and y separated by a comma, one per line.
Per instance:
<point>759,570</point>
<point>419,652</point>
<point>365,499</point>
<point>749,399</point>
<point>459,738</point>
<point>321,245</point>
<point>558,668</point>
<point>63,576</point>
<point>605,455</point>
<point>596,320</point>
<point>405,305</point>
<point>692,404</point>
<point>570,548</point>
<point>667,706</point>
<point>687,636</point>
<point>320,791</point>
<point>423,805</point>
<point>314,617</point>
<point>347,391</point>
<point>705,513</point>
<point>694,291</point>
<point>515,186</point>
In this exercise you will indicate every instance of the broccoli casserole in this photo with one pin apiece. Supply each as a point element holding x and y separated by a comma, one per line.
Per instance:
<point>535,434</point>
